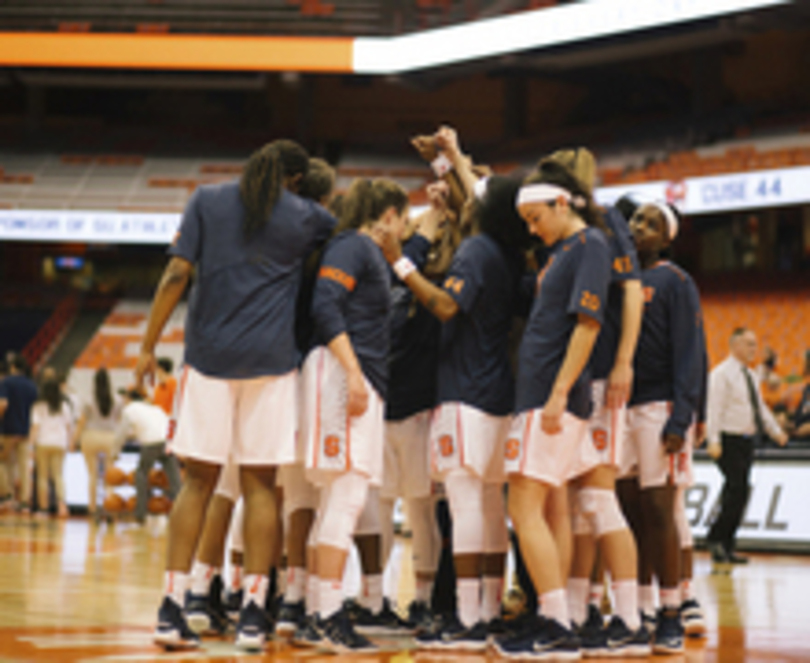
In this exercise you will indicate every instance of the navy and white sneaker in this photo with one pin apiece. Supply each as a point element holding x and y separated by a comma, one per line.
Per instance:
<point>552,642</point>
<point>420,616</point>
<point>649,620</point>
<point>592,634</point>
<point>385,622</point>
<point>290,618</point>
<point>309,633</point>
<point>668,637</point>
<point>233,604</point>
<point>694,623</point>
<point>339,636</point>
<point>521,626</point>
<point>449,634</point>
<point>624,643</point>
<point>253,628</point>
<point>205,615</point>
<point>172,631</point>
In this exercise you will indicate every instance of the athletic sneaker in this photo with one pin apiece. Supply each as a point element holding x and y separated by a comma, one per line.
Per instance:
<point>552,642</point>
<point>200,615</point>
<point>290,617</point>
<point>385,622</point>
<point>339,636</point>
<point>649,621</point>
<point>592,634</point>
<point>668,638</point>
<point>233,604</point>
<point>420,616</point>
<point>623,642</point>
<point>451,635</point>
<point>309,633</point>
<point>253,628</point>
<point>694,624</point>
<point>521,626</point>
<point>172,631</point>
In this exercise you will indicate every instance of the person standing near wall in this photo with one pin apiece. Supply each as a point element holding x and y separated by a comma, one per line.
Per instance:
<point>737,420</point>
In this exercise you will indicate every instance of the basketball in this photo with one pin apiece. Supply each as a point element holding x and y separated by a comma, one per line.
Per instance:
<point>158,479</point>
<point>114,503</point>
<point>130,478</point>
<point>115,476</point>
<point>130,503</point>
<point>159,504</point>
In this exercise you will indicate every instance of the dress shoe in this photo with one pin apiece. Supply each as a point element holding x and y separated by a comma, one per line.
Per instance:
<point>734,558</point>
<point>718,552</point>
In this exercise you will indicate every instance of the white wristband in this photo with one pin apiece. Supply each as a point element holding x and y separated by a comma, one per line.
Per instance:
<point>404,267</point>
<point>441,165</point>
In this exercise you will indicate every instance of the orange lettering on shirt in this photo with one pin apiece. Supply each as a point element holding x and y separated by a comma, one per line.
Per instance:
<point>600,439</point>
<point>649,293</point>
<point>331,446</point>
<point>454,284</point>
<point>622,265</point>
<point>338,276</point>
<point>512,450</point>
<point>446,445</point>
<point>590,301</point>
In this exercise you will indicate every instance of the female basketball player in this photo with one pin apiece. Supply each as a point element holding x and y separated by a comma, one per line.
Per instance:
<point>669,380</point>
<point>345,382</point>
<point>475,394</point>
<point>246,240</point>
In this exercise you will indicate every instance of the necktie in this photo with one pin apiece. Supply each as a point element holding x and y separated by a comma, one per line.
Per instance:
<point>752,397</point>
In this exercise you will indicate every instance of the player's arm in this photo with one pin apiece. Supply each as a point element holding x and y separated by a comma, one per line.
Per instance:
<point>169,292</point>
<point>620,380</point>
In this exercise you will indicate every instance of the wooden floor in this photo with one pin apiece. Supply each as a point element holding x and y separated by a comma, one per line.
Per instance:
<point>73,591</point>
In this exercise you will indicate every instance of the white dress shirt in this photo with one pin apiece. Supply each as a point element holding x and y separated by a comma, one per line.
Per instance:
<point>145,422</point>
<point>729,407</point>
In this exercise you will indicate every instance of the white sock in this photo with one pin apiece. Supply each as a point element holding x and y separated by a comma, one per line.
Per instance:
<point>554,605</point>
<point>578,599</point>
<point>687,590</point>
<point>626,595</point>
<point>296,584</point>
<point>236,577</point>
<point>424,590</point>
<point>330,597</point>
<point>281,581</point>
<point>201,576</point>
<point>597,594</point>
<point>646,599</point>
<point>670,598</point>
<point>174,586</point>
<point>255,589</point>
<point>371,597</point>
<point>468,593</point>
<point>313,589</point>
<point>491,597</point>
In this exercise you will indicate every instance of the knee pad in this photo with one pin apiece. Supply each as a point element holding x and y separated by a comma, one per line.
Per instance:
<point>236,539</point>
<point>299,494</point>
<point>496,536</point>
<point>228,485</point>
<point>681,522</point>
<point>465,493</point>
<point>368,523</point>
<point>601,508</point>
<point>422,519</point>
<point>345,499</point>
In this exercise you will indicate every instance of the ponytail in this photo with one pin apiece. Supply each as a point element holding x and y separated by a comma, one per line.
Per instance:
<point>366,201</point>
<point>263,177</point>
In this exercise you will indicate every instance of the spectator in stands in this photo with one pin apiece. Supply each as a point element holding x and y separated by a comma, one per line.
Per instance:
<point>738,420</point>
<point>163,395</point>
<point>148,425</point>
<point>51,435</point>
<point>96,433</point>
<point>17,394</point>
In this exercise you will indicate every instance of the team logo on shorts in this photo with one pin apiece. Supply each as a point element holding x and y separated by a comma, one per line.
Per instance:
<point>446,445</point>
<point>512,449</point>
<point>600,439</point>
<point>331,446</point>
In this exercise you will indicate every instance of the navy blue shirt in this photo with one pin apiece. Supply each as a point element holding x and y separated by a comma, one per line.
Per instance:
<point>415,334</point>
<point>473,358</point>
<point>624,267</point>
<point>574,282</point>
<point>670,357</point>
<point>241,312</point>
<point>21,393</point>
<point>352,295</point>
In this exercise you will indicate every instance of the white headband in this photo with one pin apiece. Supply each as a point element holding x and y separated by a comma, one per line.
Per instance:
<point>669,216</point>
<point>547,193</point>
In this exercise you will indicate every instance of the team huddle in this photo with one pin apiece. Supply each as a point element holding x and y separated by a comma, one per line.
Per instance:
<point>516,348</point>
